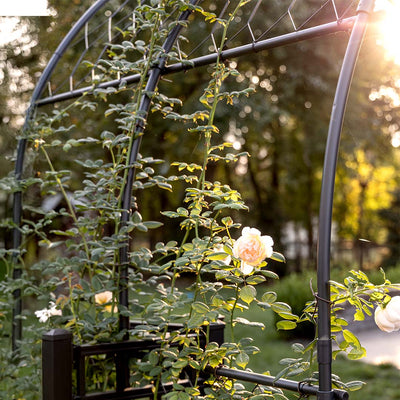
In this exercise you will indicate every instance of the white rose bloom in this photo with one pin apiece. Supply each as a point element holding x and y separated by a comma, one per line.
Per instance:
<point>388,318</point>
<point>46,313</point>
<point>43,315</point>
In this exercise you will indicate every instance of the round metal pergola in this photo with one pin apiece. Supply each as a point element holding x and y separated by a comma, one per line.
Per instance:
<point>356,24</point>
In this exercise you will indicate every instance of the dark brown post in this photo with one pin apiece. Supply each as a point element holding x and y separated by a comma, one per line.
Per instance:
<point>57,365</point>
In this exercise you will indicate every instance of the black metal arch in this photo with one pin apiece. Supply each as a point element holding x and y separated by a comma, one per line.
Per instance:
<point>357,25</point>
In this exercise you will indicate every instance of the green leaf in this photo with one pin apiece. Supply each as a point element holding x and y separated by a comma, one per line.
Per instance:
<point>278,257</point>
<point>200,308</point>
<point>153,358</point>
<point>155,371</point>
<point>177,386</point>
<point>248,294</point>
<point>227,221</point>
<point>269,274</point>
<point>244,321</point>
<point>281,307</point>
<point>96,283</point>
<point>354,385</point>
<point>180,364</point>
<point>217,256</point>
<point>196,321</point>
<point>152,224</point>
<point>234,279</point>
<point>136,217</point>
<point>350,338</point>
<point>359,316</point>
<point>298,347</point>
<point>192,391</point>
<point>286,325</point>
<point>255,279</point>
<point>357,353</point>
<point>166,186</point>
<point>269,297</point>
<point>242,359</point>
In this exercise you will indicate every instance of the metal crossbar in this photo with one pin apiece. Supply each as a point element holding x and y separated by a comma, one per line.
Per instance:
<point>266,44</point>
<point>249,30</point>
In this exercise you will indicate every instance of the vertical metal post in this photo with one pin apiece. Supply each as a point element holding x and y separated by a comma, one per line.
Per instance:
<point>57,365</point>
<point>324,345</point>
<point>126,204</point>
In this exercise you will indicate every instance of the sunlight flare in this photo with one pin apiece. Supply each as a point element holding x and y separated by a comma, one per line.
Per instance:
<point>390,28</point>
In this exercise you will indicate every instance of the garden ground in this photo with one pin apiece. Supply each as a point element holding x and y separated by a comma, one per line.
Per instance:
<point>381,347</point>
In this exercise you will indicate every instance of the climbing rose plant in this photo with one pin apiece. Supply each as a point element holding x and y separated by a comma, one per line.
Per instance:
<point>77,274</point>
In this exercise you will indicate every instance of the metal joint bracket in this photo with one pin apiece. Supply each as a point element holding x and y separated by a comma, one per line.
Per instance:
<point>325,395</point>
<point>324,347</point>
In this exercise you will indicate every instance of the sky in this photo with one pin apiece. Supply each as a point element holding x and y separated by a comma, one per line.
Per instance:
<point>22,8</point>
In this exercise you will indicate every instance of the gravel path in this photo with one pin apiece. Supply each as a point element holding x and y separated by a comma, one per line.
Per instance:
<point>381,347</point>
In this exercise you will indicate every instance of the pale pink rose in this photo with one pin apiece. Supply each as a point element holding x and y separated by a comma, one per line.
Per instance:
<point>388,318</point>
<point>103,299</point>
<point>252,248</point>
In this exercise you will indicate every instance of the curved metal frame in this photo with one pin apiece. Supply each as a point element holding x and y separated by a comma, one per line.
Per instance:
<point>19,165</point>
<point>145,102</point>
<point>324,346</point>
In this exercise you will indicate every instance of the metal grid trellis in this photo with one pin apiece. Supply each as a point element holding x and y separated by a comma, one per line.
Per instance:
<point>287,27</point>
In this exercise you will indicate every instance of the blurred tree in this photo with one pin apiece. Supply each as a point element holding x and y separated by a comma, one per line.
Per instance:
<point>391,218</point>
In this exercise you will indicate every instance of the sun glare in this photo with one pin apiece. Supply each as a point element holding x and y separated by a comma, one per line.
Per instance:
<point>23,8</point>
<point>390,28</point>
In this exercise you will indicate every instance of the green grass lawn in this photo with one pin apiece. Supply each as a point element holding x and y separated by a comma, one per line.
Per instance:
<point>381,381</point>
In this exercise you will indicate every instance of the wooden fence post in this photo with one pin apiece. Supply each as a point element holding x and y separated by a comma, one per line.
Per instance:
<point>57,365</point>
